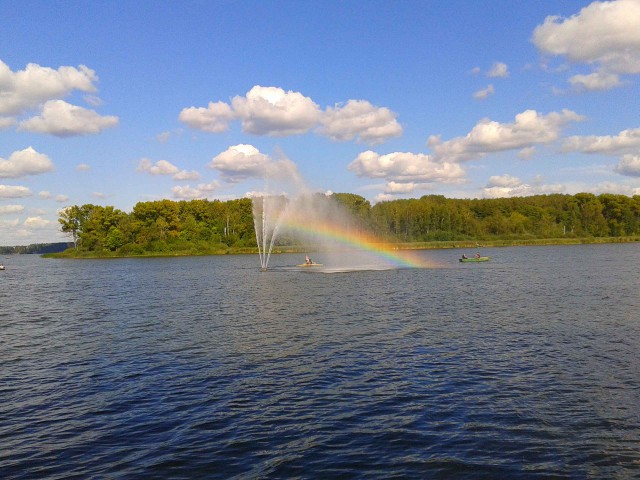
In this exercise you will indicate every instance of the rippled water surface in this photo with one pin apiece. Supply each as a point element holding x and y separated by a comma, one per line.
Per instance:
<point>204,367</point>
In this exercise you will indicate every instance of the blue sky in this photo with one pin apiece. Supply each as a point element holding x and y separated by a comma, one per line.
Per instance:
<point>113,103</point>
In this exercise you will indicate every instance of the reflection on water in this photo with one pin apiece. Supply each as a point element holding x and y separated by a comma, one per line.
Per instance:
<point>207,367</point>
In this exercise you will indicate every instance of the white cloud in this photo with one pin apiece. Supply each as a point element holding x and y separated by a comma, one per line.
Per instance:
<point>528,129</point>
<point>498,69</point>
<point>605,34</point>
<point>627,141</point>
<point>44,194</point>
<point>240,162</point>
<point>62,119</point>
<point>360,120</point>
<point>275,112</point>
<point>93,100</point>
<point>505,180</point>
<point>36,223</point>
<point>629,165</point>
<point>516,188</point>
<point>164,167</point>
<point>272,111</point>
<point>484,93</point>
<point>395,188</point>
<point>28,88</point>
<point>186,175</point>
<point>164,136</point>
<point>9,223</point>
<point>214,119</point>
<point>615,188</point>
<point>595,81</point>
<point>201,191</point>
<point>384,197</point>
<point>9,209</point>
<point>82,167</point>
<point>6,122</point>
<point>404,167</point>
<point>25,162</point>
<point>161,167</point>
<point>62,198</point>
<point>527,153</point>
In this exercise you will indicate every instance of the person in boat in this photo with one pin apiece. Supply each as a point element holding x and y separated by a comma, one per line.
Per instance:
<point>477,254</point>
<point>307,260</point>
<point>464,256</point>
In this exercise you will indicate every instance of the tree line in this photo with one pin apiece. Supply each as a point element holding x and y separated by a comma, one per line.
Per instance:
<point>214,226</point>
<point>38,248</point>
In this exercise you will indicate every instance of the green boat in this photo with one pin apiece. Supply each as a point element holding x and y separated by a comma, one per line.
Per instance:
<point>475,259</point>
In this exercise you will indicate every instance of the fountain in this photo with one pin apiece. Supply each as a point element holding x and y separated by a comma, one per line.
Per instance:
<point>268,212</point>
<point>317,221</point>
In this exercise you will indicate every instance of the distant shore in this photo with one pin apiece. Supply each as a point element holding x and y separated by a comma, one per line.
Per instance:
<point>435,245</point>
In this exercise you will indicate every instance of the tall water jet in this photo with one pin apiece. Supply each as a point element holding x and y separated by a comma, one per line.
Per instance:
<point>268,211</point>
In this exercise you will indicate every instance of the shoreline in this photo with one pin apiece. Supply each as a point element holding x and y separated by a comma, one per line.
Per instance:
<point>434,245</point>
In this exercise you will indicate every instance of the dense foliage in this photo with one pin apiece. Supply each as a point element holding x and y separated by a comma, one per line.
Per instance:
<point>203,226</point>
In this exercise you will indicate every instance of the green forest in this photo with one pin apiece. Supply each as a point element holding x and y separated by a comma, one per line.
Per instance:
<point>198,227</point>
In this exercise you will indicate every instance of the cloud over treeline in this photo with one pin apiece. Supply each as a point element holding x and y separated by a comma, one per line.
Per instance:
<point>275,112</point>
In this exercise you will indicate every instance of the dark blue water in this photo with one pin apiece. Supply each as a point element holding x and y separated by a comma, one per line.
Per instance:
<point>204,367</point>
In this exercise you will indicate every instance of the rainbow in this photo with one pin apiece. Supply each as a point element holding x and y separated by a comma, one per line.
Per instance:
<point>359,240</point>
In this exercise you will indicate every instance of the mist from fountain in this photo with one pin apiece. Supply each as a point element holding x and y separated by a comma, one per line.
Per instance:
<point>288,208</point>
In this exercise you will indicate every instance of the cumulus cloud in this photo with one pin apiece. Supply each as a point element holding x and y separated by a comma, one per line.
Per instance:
<point>14,191</point>
<point>240,162</point>
<point>527,153</point>
<point>395,188</point>
<point>25,162</point>
<point>26,89</point>
<point>528,129</point>
<point>505,180</point>
<point>627,141</point>
<point>10,209</point>
<point>187,192</point>
<point>629,165</point>
<point>360,120</point>
<point>498,69</point>
<point>62,119</point>
<point>602,34</point>
<point>36,223</point>
<point>484,93</point>
<point>502,186</point>
<point>163,137</point>
<point>595,81</point>
<point>275,112</point>
<point>272,111</point>
<point>214,119</point>
<point>6,122</point>
<point>9,223</point>
<point>405,167</point>
<point>164,167</point>
<point>186,175</point>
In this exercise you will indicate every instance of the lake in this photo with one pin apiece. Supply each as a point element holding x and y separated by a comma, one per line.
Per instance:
<point>527,366</point>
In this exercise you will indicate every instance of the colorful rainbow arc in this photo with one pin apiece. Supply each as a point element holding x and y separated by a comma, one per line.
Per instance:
<point>359,240</point>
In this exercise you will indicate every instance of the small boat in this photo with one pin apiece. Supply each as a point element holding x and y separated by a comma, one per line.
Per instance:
<point>1,267</point>
<point>475,259</point>
<point>309,265</point>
